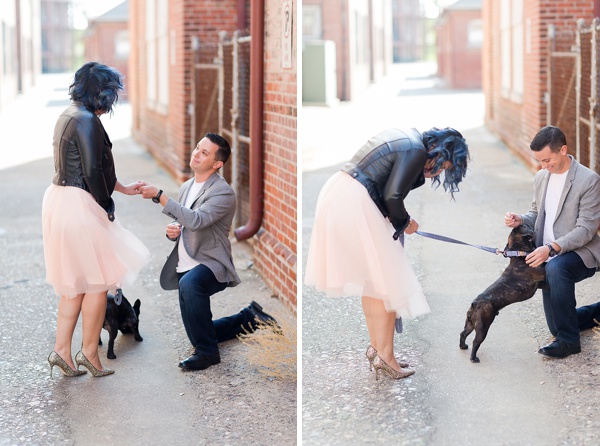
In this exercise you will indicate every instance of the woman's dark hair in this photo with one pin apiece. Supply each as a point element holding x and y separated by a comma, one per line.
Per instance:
<point>96,86</point>
<point>548,136</point>
<point>224,150</point>
<point>447,145</point>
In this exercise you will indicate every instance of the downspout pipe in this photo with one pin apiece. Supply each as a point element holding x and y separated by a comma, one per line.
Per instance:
<point>257,31</point>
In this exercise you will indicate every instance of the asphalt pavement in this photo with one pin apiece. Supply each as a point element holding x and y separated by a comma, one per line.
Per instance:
<point>515,396</point>
<point>149,400</point>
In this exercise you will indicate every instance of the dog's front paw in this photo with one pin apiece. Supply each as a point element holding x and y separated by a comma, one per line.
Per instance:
<point>474,359</point>
<point>464,346</point>
<point>111,355</point>
<point>138,338</point>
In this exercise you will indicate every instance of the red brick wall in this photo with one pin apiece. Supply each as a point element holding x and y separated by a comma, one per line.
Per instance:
<point>276,247</point>
<point>100,47</point>
<point>517,122</point>
<point>459,65</point>
<point>167,134</point>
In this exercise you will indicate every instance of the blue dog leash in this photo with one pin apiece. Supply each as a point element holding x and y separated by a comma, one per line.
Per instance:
<point>485,248</point>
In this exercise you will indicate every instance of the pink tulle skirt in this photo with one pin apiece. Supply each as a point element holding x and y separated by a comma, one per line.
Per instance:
<point>83,250</point>
<point>352,252</point>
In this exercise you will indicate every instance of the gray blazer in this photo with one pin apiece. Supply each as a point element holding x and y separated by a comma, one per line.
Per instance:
<point>205,231</point>
<point>578,214</point>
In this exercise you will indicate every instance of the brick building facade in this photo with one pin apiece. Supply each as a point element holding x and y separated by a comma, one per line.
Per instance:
<point>459,41</point>
<point>160,70</point>
<point>276,247</point>
<point>516,61</point>
<point>107,40</point>
<point>173,47</point>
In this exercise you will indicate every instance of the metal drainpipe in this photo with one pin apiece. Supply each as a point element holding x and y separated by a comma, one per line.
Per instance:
<point>256,123</point>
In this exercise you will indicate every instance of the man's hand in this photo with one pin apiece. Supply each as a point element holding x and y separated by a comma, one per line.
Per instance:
<point>538,257</point>
<point>149,191</point>
<point>512,220</point>
<point>173,230</point>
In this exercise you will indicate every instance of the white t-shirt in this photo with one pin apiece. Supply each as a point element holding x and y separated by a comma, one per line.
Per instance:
<point>556,185</point>
<point>186,262</point>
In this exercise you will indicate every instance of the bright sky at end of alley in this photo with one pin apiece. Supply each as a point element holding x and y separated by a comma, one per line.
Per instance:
<point>89,9</point>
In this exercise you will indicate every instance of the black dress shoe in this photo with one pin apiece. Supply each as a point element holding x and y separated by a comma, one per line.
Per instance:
<point>560,349</point>
<point>259,314</point>
<point>200,362</point>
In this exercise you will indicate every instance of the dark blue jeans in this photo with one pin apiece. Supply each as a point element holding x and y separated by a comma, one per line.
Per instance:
<point>564,320</point>
<point>195,288</point>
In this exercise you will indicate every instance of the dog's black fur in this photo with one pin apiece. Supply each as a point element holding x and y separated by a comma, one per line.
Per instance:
<point>517,283</point>
<point>122,317</point>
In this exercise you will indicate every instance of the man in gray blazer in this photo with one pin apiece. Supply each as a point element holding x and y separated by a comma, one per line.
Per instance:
<point>565,215</point>
<point>201,263</point>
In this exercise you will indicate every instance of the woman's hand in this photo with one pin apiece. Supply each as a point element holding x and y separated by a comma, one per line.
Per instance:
<point>130,189</point>
<point>412,227</point>
<point>149,191</point>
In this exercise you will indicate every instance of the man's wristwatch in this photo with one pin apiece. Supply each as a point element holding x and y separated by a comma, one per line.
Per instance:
<point>552,250</point>
<point>157,198</point>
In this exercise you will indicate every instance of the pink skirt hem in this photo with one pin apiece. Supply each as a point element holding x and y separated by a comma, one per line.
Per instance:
<point>85,252</point>
<point>352,252</point>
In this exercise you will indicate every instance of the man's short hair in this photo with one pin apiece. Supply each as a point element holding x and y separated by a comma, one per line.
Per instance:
<point>548,136</point>
<point>224,150</point>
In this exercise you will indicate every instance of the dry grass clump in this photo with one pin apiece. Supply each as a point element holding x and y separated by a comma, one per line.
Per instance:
<point>597,327</point>
<point>271,348</point>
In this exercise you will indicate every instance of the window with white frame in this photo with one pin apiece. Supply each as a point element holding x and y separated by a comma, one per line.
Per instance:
<point>517,51</point>
<point>151,52</point>
<point>312,28</point>
<point>157,54</point>
<point>511,49</point>
<point>122,45</point>
<point>162,27</point>
<point>475,33</point>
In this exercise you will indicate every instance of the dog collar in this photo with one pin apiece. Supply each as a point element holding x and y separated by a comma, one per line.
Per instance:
<point>515,253</point>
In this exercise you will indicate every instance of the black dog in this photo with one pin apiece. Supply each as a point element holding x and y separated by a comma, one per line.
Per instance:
<point>122,317</point>
<point>517,283</point>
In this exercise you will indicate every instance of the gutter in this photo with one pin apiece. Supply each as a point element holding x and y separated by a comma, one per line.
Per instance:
<point>257,31</point>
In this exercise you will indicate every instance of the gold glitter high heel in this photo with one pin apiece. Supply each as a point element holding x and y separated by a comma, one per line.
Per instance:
<point>379,364</point>
<point>80,359</point>
<point>371,353</point>
<point>55,360</point>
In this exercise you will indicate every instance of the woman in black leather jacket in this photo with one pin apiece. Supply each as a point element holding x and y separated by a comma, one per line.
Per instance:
<point>360,213</point>
<point>87,251</point>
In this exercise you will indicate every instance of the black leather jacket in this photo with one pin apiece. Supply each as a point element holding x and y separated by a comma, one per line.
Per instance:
<point>83,155</point>
<point>390,165</point>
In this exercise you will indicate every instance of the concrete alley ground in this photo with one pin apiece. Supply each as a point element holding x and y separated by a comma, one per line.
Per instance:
<point>515,396</point>
<point>149,400</point>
